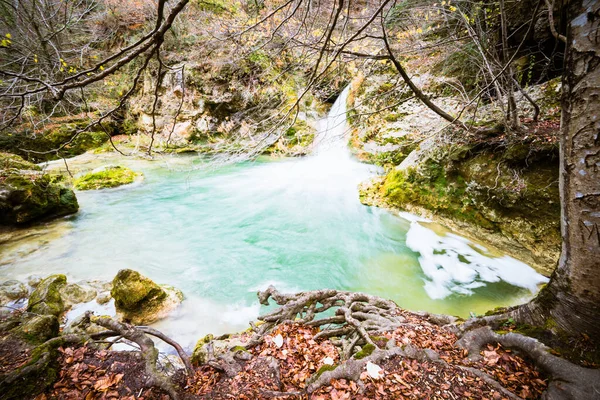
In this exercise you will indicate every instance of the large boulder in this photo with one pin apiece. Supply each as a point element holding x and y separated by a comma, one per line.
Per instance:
<point>46,298</point>
<point>139,300</point>
<point>26,194</point>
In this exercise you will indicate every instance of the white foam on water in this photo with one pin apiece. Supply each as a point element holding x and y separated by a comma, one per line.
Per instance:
<point>197,317</point>
<point>451,264</point>
<point>98,309</point>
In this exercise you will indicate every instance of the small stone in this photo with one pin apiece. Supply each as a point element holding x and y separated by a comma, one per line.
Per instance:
<point>74,294</point>
<point>103,298</point>
<point>12,290</point>
<point>34,280</point>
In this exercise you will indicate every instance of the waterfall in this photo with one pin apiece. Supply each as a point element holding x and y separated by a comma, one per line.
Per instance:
<point>333,130</point>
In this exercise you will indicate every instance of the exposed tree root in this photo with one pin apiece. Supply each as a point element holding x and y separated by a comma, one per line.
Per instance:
<point>147,348</point>
<point>568,381</point>
<point>356,315</point>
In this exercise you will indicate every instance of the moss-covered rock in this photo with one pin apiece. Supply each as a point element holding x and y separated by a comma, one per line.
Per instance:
<point>109,177</point>
<point>510,192</point>
<point>139,300</point>
<point>220,346</point>
<point>38,328</point>
<point>26,194</point>
<point>46,298</point>
<point>42,145</point>
<point>26,335</point>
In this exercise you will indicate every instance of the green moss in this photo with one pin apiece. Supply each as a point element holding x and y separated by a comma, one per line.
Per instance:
<point>46,298</point>
<point>66,136</point>
<point>31,195</point>
<point>132,291</point>
<point>366,351</point>
<point>14,162</point>
<point>107,178</point>
<point>38,329</point>
<point>325,368</point>
<point>239,348</point>
<point>199,354</point>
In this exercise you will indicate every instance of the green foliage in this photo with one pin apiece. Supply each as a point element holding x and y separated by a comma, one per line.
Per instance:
<point>107,178</point>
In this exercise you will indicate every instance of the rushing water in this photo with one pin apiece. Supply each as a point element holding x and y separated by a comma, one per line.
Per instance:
<point>222,234</point>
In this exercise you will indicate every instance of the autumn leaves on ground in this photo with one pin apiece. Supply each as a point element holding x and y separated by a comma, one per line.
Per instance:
<point>290,358</point>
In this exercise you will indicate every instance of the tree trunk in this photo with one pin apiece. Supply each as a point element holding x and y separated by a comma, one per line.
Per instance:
<point>571,301</point>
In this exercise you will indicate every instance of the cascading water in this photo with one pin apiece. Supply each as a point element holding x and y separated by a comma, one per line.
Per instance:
<point>221,235</point>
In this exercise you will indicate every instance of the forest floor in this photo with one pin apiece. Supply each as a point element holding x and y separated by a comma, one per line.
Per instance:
<point>283,369</point>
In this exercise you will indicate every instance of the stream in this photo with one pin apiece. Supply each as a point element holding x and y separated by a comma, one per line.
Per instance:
<point>221,234</point>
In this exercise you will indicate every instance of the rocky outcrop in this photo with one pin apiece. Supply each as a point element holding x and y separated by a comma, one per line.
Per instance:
<point>26,194</point>
<point>489,184</point>
<point>139,300</point>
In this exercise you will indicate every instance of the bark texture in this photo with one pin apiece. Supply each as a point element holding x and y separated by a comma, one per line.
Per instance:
<point>570,302</point>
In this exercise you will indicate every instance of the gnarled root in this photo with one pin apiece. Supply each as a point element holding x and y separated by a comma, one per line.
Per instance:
<point>356,315</point>
<point>567,380</point>
<point>147,348</point>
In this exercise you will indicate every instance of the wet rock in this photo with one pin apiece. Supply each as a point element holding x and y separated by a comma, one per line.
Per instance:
<point>46,298</point>
<point>139,300</point>
<point>75,294</point>
<point>26,194</point>
<point>103,298</point>
<point>12,290</point>
<point>34,280</point>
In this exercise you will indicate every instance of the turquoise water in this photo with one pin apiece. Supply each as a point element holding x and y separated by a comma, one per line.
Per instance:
<point>221,234</point>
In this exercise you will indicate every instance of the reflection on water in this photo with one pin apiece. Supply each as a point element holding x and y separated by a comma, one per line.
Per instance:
<point>222,234</point>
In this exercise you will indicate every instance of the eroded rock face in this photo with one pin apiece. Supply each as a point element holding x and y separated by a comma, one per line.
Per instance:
<point>26,194</point>
<point>139,300</point>
<point>46,298</point>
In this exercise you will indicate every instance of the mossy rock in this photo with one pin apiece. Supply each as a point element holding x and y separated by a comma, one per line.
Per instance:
<point>13,161</point>
<point>220,345</point>
<point>46,298</point>
<point>38,328</point>
<point>139,300</point>
<point>27,334</point>
<point>109,177</point>
<point>28,195</point>
<point>40,146</point>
